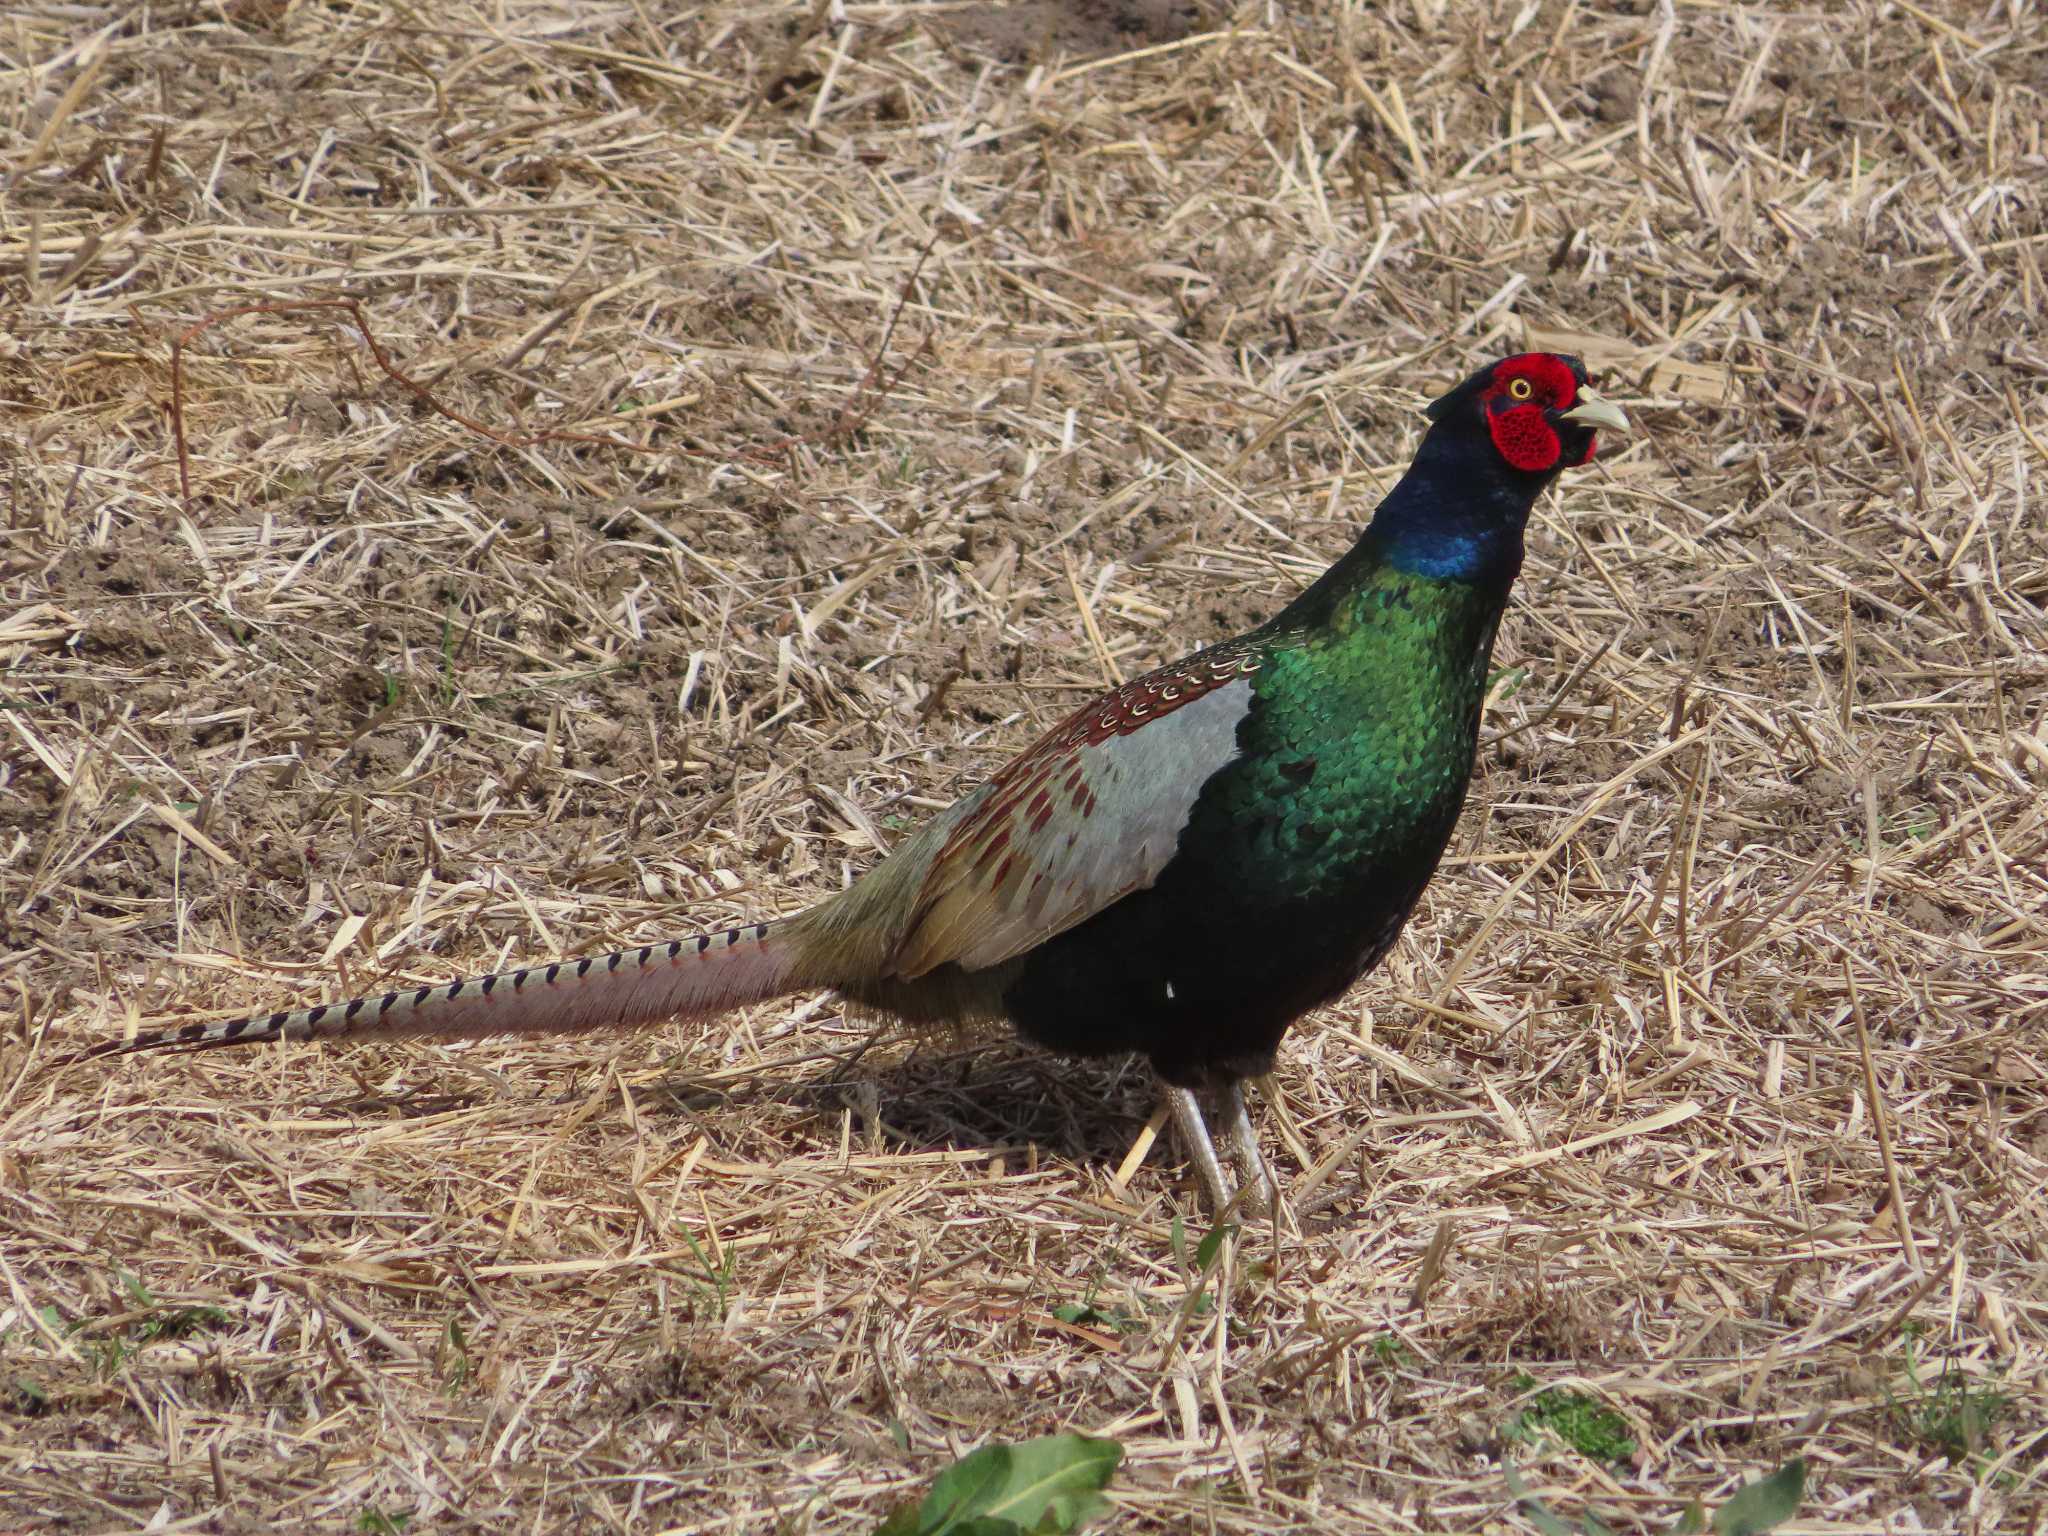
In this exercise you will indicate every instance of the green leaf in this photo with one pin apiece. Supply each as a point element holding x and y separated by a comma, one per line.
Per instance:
<point>1691,1521</point>
<point>1513,676</point>
<point>1042,1487</point>
<point>1207,1249</point>
<point>1547,1520</point>
<point>1539,1513</point>
<point>1089,1316</point>
<point>1767,1502</point>
<point>957,1493</point>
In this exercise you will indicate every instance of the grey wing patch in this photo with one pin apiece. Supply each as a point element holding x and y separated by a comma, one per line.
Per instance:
<point>1102,823</point>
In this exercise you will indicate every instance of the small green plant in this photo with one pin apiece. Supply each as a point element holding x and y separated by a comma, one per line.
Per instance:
<point>1915,824</point>
<point>1595,1431</point>
<point>1205,1251</point>
<point>454,1357</point>
<point>1043,1487</point>
<point>165,1322</point>
<point>1953,1414</point>
<point>108,1355</point>
<point>716,1286</point>
<point>1391,1353</point>
<point>373,1521</point>
<point>108,1352</point>
<point>1751,1510</point>
<point>1087,1315</point>
<point>1202,1261</point>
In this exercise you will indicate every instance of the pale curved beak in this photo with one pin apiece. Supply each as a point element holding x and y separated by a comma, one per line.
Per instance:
<point>1594,411</point>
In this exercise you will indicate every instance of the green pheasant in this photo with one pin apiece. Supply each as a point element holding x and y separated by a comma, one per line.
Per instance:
<point>1180,869</point>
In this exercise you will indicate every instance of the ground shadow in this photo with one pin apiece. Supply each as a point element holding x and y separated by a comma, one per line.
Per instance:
<point>1002,1095</point>
<point>999,1095</point>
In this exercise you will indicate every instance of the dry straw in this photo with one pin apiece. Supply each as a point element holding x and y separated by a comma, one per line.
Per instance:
<point>1708,1084</point>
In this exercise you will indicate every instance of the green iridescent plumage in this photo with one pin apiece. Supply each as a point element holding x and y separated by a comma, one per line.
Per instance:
<point>1358,747</point>
<point>1305,852</point>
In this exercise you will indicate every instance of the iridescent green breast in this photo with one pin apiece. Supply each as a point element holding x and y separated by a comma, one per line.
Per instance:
<point>1357,751</point>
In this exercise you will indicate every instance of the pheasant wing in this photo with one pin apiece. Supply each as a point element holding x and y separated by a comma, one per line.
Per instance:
<point>1090,814</point>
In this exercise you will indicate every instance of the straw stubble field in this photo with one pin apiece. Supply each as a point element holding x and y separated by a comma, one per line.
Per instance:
<point>864,385</point>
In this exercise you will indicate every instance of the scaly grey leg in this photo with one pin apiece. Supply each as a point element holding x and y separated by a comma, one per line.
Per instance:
<point>1194,1137</point>
<point>1262,1198</point>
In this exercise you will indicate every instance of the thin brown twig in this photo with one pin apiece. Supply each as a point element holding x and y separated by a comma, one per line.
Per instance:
<point>1880,1118</point>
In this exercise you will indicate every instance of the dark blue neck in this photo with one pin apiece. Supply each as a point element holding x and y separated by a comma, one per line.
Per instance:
<point>1455,517</point>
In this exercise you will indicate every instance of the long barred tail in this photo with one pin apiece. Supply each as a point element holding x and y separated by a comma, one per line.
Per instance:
<point>681,978</point>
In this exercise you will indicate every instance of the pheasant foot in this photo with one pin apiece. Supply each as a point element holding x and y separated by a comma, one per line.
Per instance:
<point>1262,1197</point>
<point>1194,1139</point>
<point>1258,1196</point>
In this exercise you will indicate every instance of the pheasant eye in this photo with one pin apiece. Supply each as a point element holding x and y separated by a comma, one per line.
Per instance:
<point>1521,389</point>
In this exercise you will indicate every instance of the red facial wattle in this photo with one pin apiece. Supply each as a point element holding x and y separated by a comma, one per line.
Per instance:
<point>1523,437</point>
<point>1524,392</point>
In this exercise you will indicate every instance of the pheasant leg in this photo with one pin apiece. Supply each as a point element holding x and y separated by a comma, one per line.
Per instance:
<point>1262,1197</point>
<point>1194,1138</point>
